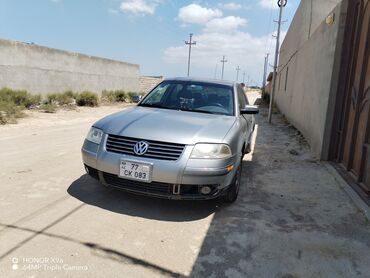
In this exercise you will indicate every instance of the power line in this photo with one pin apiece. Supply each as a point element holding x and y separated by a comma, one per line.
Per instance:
<point>190,43</point>
<point>223,61</point>
<point>282,4</point>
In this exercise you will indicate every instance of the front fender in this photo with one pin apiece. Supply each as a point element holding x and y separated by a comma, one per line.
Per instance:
<point>236,138</point>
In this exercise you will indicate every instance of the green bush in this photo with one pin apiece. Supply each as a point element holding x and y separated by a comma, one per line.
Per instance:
<point>19,97</point>
<point>70,94</point>
<point>12,102</point>
<point>48,108</point>
<point>6,95</point>
<point>87,99</point>
<point>9,112</point>
<point>33,101</point>
<point>3,119</point>
<point>65,98</point>
<point>120,95</point>
<point>108,96</point>
<point>114,96</point>
<point>51,98</point>
<point>130,95</point>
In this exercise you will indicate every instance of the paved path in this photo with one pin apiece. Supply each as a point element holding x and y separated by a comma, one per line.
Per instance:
<point>291,220</point>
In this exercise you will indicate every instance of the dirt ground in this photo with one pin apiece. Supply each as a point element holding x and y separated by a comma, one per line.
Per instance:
<point>292,218</point>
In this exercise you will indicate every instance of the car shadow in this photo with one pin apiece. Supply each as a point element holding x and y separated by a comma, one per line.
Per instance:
<point>91,192</point>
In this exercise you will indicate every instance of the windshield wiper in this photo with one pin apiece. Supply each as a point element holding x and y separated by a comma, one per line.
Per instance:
<point>153,105</point>
<point>201,111</point>
<point>171,108</point>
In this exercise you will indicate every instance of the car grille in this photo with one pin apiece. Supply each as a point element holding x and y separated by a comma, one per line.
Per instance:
<point>156,150</point>
<point>137,186</point>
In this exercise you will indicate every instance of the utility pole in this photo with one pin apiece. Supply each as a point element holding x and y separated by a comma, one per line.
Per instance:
<point>282,4</point>
<point>190,43</point>
<point>237,73</point>
<point>223,61</point>
<point>265,75</point>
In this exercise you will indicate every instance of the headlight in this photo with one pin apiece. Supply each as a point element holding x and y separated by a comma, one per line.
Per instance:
<point>95,135</point>
<point>211,151</point>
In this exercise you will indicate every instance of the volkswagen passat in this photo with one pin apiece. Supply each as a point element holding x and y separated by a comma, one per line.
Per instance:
<point>184,140</point>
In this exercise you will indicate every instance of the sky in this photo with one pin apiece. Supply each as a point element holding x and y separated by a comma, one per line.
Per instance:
<point>152,33</point>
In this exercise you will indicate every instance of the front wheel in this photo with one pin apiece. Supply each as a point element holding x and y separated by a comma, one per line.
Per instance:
<point>233,190</point>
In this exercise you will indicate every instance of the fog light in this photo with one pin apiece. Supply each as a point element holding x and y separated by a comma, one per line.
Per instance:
<point>205,190</point>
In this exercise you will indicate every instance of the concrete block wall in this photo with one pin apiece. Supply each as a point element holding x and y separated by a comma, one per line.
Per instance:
<point>149,82</point>
<point>309,16</point>
<point>43,70</point>
<point>305,73</point>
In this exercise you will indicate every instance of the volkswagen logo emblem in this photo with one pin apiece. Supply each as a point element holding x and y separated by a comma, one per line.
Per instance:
<point>141,148</point>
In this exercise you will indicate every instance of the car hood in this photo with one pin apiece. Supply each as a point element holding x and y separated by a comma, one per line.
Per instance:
<point>167,125</point>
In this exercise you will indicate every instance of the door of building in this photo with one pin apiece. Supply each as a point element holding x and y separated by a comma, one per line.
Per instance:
<point>351,140</point>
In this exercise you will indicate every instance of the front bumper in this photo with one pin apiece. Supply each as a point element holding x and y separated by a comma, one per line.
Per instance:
<point>155,189</point>
<point>181,179</point>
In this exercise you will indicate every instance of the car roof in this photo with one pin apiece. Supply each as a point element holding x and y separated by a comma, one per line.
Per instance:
<point>191,79</point>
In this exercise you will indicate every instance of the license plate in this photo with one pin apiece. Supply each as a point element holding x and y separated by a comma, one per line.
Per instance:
<point>135,170</point>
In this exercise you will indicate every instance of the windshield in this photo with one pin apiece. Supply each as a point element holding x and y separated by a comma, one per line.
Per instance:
<point>192,96</point>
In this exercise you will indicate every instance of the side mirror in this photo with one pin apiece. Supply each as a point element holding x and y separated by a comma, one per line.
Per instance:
<point>249,109</point>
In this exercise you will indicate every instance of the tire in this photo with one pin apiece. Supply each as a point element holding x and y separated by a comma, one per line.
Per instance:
<point>233,191</point>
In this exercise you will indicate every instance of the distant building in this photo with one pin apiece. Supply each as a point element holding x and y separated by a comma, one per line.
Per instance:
<point>323,83</point>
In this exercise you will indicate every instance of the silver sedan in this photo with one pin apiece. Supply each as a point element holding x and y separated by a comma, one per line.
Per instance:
<point>184,140</point>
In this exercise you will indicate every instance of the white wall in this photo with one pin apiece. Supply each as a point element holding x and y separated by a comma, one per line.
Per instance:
<point>42,70</point>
